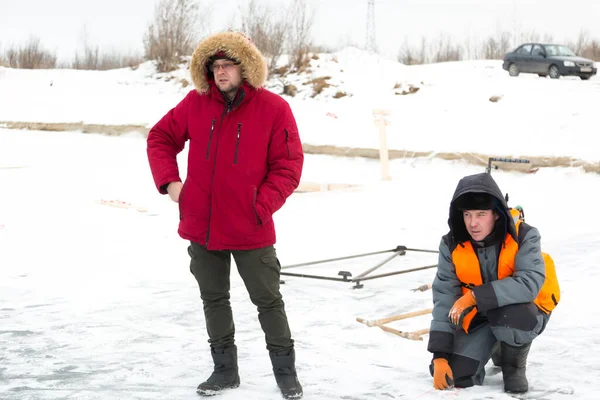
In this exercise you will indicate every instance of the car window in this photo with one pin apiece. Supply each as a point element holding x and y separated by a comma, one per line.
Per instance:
<point>556,50</point>
<point>526,49</point>
<point>538,50</point>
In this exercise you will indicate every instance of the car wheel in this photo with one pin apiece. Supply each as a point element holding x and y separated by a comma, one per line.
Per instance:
<point>554,72</point>
<point>513,70</point>
<point>585,77</point>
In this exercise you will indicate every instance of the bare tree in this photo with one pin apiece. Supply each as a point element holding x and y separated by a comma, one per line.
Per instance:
<point>266,29</point>
<point>446,50</point>
<point>117,59</point>
<point>530,36</point>
<point>423,56</point>
<point>494,48</point>
<point>468,49</point>
<point>582,42</point>
<point>30,56</point>
<point>548,38</point>
<point>472,48</point>
<point>90,59</point>
<point>407,55</point>
<point>12,57</point>
<point>299,39</point>
<point>173,33</point>
<point>592,50</point>
<point>505,43</point>
<point>3,61</point>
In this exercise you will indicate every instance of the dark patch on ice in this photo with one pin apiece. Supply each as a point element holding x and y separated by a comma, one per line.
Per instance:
<point>38,305</point>
<point>164,291</point>
<point>67,373</point>
<point>383,366</point>
<point>18,333</point>
<point>21,389</point>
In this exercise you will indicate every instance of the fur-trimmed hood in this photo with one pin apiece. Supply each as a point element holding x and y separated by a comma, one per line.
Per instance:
<point>235,45</point>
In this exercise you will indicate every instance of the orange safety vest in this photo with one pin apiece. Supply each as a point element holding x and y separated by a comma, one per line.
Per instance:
<point>469,272</point>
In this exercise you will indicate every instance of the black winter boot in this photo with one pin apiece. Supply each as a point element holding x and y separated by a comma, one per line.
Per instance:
<point>225,374</point>
<point>514,361</point>
<point>497,355</point>
<point>285,373</point>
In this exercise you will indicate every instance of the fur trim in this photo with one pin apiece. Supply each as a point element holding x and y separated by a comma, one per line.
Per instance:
<point>235,45</point>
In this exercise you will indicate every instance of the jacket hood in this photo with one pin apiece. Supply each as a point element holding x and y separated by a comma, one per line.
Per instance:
<point>235,45</point>
<point>479,183</point>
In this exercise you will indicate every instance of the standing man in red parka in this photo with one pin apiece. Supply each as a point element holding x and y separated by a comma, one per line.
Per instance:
<point>245,159</point>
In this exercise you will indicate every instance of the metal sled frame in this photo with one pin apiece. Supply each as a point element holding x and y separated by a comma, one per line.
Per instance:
<point>412,335</point>
<point>346,276</point>
<point>506,160</point>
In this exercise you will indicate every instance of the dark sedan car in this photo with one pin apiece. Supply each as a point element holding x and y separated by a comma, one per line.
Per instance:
<point>548,59</point>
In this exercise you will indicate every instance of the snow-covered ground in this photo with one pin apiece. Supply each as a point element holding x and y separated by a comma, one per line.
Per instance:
<point>97,302</point>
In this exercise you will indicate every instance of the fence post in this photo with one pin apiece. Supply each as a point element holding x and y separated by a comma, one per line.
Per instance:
<point>381,123</point>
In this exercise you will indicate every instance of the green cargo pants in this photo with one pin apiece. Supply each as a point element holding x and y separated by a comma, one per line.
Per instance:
<point>259,269</point>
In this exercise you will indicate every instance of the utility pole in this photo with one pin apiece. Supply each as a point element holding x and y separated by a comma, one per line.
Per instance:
<point>370,42</point>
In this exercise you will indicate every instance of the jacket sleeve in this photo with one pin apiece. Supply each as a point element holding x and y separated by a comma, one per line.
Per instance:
<point>167,139</point>
<point>525,283</point>
<point>445,291</point>
<point>285,160</point>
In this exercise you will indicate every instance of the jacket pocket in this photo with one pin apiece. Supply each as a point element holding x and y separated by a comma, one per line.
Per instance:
<point>212,129</point>
<point>254,196</point>
<point>179,202</point>
<point>237,142</point>
<point>287,142</point>
<point>271,261</point>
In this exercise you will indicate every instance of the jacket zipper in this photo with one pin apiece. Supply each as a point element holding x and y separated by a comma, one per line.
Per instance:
<point>287,145</point>
<point>212,183</point>
<point>226,110</point>
<point>237,142</point>
<point>212,128</point>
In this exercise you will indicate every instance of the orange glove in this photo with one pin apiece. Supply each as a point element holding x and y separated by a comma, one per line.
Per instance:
<point>442,374</point>
<point>462,307</point>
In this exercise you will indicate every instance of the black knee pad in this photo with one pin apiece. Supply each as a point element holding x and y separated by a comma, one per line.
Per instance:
<point>521,316</point>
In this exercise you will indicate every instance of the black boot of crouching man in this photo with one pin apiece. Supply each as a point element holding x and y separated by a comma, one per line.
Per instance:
<point>284,370</point>
<point>225,374</point>
<point>514,362</point>
<point>497,355</point>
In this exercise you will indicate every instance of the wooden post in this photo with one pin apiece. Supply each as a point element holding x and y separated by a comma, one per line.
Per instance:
<point>381,122</point>
<point>394,318</point>
<point>414,335</point>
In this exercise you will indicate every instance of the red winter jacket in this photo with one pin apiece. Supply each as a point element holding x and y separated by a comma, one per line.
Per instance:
<point>243,164</point>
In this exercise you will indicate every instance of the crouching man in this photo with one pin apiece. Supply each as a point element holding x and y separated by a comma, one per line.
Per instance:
<point>493,292</point>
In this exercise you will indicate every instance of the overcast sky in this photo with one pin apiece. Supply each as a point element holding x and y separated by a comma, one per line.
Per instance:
<point>121,23</point>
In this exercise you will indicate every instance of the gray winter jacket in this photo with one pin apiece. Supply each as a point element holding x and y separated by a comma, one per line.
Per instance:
<point>522,287</point>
